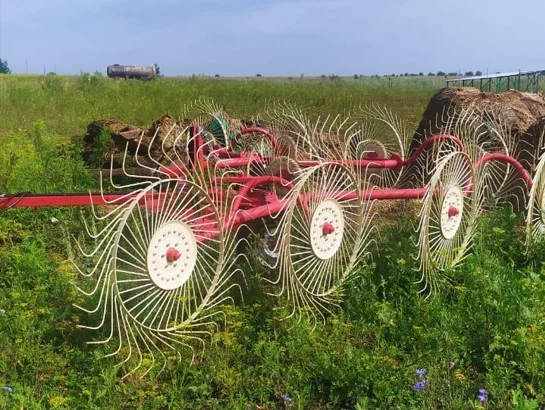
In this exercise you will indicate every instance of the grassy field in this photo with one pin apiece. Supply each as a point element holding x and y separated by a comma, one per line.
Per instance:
<point>386,346</point>
<point>67,104</point>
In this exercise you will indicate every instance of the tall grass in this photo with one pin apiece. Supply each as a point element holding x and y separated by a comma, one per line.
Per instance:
<point>67,104</point>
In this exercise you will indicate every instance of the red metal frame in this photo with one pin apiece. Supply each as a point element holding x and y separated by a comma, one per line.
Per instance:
<point>250,203</point>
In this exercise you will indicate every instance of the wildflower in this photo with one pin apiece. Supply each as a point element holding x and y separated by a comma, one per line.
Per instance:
<point>8,389</point>
<point>420,372</point>
<point>452,365</point>
<point>482,395</point>
<point>2,311</point>
<point>286,398</point>
<point>420,385</point>
<point>54,220</point>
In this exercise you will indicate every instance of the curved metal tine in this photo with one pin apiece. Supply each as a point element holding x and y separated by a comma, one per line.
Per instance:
<point>291,119</point>
<point>107,238</point>
<point>538,149</point>
<point>120,201</point>
<point>127,173</point>
<point>387,117</point>
<point>92,235</point>
<point>178,162</point>
<point>95,266</point>
<point>138,350</point>
<point>302,302</point>
<point>163,150</point>
<point>136,156</point>
<point>122,326</point>
<point>340,128</point>
<point>505,180</point>
<point>103,301</point>
<point>145,336</point>
<point>534,211</point>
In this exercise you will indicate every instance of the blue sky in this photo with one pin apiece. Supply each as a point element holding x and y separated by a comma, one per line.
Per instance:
<point>274,38</point>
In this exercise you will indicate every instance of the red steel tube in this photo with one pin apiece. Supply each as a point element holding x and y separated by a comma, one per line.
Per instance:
<point>429,141</point>
<point>506,158</point>
<point>29,200</point>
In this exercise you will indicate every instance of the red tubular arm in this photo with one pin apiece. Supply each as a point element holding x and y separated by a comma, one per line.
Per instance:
<point>510,160</point>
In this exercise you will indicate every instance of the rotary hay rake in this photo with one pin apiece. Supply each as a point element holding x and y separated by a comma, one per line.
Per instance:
<point>167,246</point>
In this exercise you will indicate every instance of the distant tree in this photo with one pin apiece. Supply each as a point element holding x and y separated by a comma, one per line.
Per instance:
<point>412,75</point>
<point>217,76</point>
<point>468,73</point>
<point>356,76</point>
<point>441,74</point>
<point>478,72</point>
<point>406,74</point>
<point>452,74</point>
<point>4,68</point>
<point>157,70</point>
<point>421,74</point>
<point>430,74</point>
<point>258,75</point>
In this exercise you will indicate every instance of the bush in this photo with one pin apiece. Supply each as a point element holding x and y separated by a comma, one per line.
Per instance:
<point>4,68</point>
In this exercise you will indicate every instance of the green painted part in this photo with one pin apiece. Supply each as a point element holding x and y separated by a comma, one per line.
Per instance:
<point>219,128</point>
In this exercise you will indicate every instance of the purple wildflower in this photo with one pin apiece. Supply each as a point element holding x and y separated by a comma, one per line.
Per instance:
<point>482,395</point>
<point>420,385</point>
<point>420,372</point>
<point>286,398</point>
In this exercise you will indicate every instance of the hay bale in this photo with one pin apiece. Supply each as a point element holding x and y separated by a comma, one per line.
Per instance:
<point>523,113</point>
<point>522,117</point>
<point>105,142</point>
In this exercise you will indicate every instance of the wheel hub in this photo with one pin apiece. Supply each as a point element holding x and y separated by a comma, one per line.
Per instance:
<point>452,211</point>
<point>172,255</point>
<point>327,228</point>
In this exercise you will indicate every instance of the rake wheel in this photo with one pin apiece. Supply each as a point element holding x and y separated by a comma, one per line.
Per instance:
<point>160,253</point>
<point>535,216</point>
<point>161,264</point>
<point>325,231</point>
<point>448,217</point>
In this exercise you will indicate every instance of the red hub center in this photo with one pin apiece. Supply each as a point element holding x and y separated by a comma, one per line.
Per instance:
<point>453,211</point>
<point>327,229</point>
<point>172,255</point>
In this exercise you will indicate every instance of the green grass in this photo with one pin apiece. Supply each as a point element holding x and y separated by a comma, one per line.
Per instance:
<point>485,330</point>
<point>67,105</point>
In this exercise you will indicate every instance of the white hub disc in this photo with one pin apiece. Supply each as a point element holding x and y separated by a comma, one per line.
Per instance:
<point>453,199</point>
<point>177,236</point>
<point>327,212</point>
